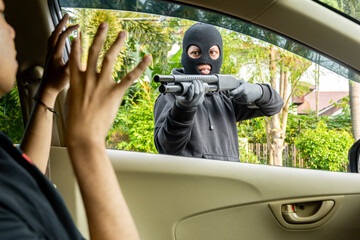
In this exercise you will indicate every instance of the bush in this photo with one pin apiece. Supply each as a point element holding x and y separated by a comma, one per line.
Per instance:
<point>11,122</point>
<point>244,154</point>
<point>253,130</point>
<point>134,125</point>
<point>324,149</point>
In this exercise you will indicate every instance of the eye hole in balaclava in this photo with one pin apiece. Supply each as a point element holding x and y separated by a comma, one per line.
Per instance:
<point>195,52</point>
<point>203,36</point>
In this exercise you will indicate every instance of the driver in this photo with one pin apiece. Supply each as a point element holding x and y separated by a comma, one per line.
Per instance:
<point>204,125</point>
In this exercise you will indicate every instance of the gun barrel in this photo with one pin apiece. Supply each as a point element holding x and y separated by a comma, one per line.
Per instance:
<point>164,78</point>
<point>211,88</point>
<point>186,78</point>
<point>179,84</point>
<point>170,88</point>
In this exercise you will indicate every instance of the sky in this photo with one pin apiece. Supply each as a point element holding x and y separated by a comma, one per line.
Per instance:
<point>330,81</point>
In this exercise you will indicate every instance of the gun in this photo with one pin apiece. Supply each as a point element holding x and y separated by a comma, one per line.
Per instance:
<point>179,84</point>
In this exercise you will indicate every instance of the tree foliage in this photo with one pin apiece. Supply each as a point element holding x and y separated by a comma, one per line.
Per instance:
<point>136,121</point>
<point>323,148</point>
<point>11,122</point>
<point>146,33</point>
<point>245,155</point>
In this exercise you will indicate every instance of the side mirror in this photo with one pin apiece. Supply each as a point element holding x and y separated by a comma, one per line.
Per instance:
<point>354,154</point>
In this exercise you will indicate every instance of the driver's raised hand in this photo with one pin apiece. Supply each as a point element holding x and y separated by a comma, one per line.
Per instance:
<point>94,97</point>
<point>56,73</point>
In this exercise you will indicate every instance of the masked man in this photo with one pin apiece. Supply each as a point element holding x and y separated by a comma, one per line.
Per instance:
<point>204,125</point>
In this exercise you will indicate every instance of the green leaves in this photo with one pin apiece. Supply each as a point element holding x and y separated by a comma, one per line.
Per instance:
<point>11,122</point>
<point>134,124</point>
<point>245,155</point>
<point>324,148</point>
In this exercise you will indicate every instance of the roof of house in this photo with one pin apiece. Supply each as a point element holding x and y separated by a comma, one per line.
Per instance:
<point>326,101</point>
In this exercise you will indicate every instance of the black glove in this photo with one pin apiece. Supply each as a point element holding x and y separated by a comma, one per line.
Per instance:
<point>193,97</point>
<point>247,93</point>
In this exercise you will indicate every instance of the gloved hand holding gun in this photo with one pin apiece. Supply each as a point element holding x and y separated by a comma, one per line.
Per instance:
<point>246,93</point>
<point>194,96</point>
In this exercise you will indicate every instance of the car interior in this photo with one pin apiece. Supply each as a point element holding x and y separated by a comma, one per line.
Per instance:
<point>172,197</point>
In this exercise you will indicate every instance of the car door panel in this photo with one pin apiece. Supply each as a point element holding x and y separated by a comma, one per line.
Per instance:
<point>184,198</point>
<point>256,221</point>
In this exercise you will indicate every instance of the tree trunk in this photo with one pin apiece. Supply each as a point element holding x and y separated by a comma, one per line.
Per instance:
<point>285,109</point>
<point>273,67</point>
<point>279,147</point>
<point>278,140</point>
<point>354,89</point>
<point>275,121</point>
<point>317,78</point>
<point>268,139</point>
<point>276,125</point>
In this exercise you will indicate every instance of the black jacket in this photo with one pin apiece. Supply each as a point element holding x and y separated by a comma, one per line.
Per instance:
<point>209,131</point>
<point>30,206</point>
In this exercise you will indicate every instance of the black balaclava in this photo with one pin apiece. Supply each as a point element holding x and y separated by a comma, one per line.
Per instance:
<point>204,36</point>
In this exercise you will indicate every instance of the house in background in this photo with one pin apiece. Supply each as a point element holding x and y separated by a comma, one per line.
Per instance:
<point>307,103</point>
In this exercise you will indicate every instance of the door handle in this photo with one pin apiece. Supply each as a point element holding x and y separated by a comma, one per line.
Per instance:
<point>297,213</point>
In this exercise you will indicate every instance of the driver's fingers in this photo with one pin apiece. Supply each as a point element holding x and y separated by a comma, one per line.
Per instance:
<point>58,29</point>
<point>75,63</point>
<point>135,73</point>
<point>61,43</point>
<point>111,55</point>
<point>96,47</point>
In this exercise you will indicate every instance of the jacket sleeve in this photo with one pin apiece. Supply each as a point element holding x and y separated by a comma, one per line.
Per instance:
<point>268,105</point>
<point>173,125</point>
